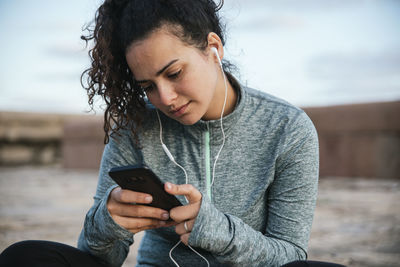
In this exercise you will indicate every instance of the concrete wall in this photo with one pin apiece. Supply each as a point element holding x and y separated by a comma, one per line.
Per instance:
<point>83,143</point>
<point>36,138</point>
<point>30,138</point>
<point>360,140</point>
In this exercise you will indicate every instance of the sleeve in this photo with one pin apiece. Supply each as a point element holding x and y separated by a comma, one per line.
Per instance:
<point>101,236</point>
<point>291,203</point>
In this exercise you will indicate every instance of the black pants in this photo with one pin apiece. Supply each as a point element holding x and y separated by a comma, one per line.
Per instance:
<point>34,253</point>
<point>52,254</point>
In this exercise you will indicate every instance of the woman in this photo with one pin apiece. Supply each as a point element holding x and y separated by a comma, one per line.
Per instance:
<point>245,163</point>
<point>254,206</point>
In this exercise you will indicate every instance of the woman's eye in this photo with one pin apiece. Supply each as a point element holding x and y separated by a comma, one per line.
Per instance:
<point>174,75</point>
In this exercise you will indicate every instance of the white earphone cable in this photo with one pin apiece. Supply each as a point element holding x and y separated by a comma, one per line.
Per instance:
<point>169,153</point>
<point>187,201</point>
<point>170,253</point>
<point>215,162</point>
<point>222,126</point>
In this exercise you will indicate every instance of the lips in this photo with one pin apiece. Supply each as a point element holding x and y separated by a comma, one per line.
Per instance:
<point>180,110</point>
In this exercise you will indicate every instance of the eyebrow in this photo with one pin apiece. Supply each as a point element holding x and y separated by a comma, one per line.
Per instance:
<point>160,71</point>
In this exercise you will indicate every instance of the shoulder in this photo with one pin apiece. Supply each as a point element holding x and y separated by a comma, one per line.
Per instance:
<point>265,107</point>
<point>268,101</point>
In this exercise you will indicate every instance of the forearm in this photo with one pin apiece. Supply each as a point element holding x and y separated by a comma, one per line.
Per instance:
<point>235,243</point>
<point>114,255</point>
<point>102,237</point>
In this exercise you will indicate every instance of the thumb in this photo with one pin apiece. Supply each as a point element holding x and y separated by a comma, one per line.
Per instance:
<point>189,191</point>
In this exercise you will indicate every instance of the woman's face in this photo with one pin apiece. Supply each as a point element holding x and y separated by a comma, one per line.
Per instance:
<point>180,80</point>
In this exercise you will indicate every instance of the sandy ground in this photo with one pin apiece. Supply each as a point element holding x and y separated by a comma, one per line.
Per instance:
<point>357,221</point>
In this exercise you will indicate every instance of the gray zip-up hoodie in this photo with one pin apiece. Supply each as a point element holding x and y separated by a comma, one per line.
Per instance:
<point>260,207</point>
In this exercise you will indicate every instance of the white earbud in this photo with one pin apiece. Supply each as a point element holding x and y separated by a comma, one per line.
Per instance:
<point>214,49</point>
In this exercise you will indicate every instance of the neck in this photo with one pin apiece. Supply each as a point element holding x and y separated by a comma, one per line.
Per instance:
<point>214,113</point>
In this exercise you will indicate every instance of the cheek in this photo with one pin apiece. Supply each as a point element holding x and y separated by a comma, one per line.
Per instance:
<point>186,86</point>
<point>196,83</point>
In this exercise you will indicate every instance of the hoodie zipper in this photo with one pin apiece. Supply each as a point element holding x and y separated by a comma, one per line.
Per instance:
<point>207,161</point>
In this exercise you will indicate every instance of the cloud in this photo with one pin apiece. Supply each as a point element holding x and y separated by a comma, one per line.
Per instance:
<point>270,22</point>
<point>356,65</point>
<point>66,51</point>
<point>290,5</point>
<point>357,76</point>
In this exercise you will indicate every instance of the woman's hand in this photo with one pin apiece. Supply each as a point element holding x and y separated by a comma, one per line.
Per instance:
<point>186,215</point>
<point>124,207</point>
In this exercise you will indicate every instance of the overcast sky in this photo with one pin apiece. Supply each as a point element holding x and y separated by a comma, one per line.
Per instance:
<point>309,52</point>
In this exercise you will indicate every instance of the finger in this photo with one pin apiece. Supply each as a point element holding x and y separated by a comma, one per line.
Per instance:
<point>135,231</point>
<point>185,239</point>
<point>130,210</point>
<point>180,228</point>
<point>184,213</point>
<point>129,196</point>
<point>133,224</point>
<point>189,191</point>
<point>170,223</point>
<point>167,224</point>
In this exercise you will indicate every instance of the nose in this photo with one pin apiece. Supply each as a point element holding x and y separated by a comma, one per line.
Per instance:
<point>167,94</point>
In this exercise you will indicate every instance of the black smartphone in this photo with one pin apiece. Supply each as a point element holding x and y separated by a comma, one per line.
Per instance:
<point>140,178</point>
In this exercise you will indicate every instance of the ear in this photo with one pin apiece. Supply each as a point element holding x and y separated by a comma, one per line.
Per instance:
<point>214,41</point>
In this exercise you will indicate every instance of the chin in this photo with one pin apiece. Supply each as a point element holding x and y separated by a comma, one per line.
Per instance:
<point>187,120</point>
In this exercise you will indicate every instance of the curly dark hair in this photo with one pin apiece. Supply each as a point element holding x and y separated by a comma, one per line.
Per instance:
<point>119,23</point>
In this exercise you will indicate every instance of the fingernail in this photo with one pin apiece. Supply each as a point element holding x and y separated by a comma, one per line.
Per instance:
<point>165,216</point>
<point>168,185</point>
<point>148,199</point>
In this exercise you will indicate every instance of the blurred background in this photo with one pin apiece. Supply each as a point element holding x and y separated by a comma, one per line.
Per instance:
<point>337,59</point>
